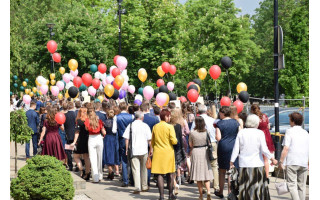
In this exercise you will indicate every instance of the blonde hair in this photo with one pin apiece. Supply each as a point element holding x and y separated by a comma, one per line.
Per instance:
<point>82,114</point>
<point>110,114</point>
<point>234,113</point>
<point>177,117</point>
<point>212,112</point>
<point>93,118</point>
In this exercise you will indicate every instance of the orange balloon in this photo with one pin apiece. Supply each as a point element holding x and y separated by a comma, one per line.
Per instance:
<point>60,96</point>
<point>53,82</point>
<point>73,64</point>
<point>119,80</point>
<point>160,72</point>
<point>52,76</point>
<point>142,75</point>
<point>31,94</point>
<point>202,73</point>
<point>109,90</point>
<point>168,99</point>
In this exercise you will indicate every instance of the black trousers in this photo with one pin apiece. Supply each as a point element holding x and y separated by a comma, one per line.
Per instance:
<point>69,155</point>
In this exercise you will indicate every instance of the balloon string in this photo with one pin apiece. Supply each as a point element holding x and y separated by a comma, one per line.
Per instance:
<point>215,83</point>
<point>229,85</point>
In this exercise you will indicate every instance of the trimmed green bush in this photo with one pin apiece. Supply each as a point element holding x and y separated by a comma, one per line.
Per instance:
<point>44,177</point>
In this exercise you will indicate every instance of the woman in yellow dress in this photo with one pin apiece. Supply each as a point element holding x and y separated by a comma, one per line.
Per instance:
<point>163,161</point>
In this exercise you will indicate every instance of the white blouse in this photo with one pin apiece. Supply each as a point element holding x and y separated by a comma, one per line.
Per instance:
<point>249,146</point>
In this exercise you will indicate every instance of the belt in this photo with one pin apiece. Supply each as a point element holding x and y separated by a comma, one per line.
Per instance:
<point>199,146</point>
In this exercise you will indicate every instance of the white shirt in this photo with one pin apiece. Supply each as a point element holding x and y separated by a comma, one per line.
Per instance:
<point>115,126</point>
<point>141,133</point>
<point>297,139</point>
<point>249,146</point>
<point>209,126</point>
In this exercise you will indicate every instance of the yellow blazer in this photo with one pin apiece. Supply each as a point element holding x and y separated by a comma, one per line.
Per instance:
<point>163,137</point>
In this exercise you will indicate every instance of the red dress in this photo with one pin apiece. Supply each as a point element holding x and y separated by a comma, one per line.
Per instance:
<point>263,125</point>
<point>52,144</point>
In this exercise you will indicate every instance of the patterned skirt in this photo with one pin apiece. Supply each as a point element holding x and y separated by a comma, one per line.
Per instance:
<point>253,184</point>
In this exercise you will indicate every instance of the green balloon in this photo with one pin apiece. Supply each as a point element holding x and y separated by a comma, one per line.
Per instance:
<point>140,91</point>
<point>15,85</point>
<point>93,68</point>
<point>82,87</point>
<point>26,80</point>
<point>21,88</point>
<point>15,77</point>
<point>11,93</point>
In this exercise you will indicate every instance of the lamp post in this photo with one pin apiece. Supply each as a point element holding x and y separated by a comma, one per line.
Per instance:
<point>50,26</point>
<point>123,11</point>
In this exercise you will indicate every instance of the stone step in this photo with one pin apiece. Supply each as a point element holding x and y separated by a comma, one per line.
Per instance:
<point>78,182</point>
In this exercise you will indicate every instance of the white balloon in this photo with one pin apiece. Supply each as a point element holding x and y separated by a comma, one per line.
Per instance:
<point>84,93</point>
<point>138,96</point>
<point>72,77</point>
<point>126,78</point>
<point>124,72</point>
<point>103,76</point>
<point>68,85</point>
<point>101,87</point>
<point>97,75</point>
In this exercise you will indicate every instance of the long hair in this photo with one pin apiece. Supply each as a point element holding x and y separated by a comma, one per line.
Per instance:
<point>51,113</point>
<point>234,113</point>
<point>212,112</point>
<point>200,125</point>
<point>255,109</point>
<point>93,118</point>
<point>186,109</point>
<point>176,117</point>
<point>82,114</point>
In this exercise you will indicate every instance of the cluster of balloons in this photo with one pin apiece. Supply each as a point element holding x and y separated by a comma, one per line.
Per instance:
<point>52,47</point>
<point>165,68</point>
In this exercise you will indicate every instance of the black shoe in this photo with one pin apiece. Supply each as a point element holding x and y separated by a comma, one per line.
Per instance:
<point>218,195</point>
<point>83,173</point>
<point>76,169</point>
<point>136,192</point>
<point>173,197</point>
<point>124,185</point>
<point>111,176</point>
<point>70,169</point>
<point>87,176</point>
<point>268,181</point>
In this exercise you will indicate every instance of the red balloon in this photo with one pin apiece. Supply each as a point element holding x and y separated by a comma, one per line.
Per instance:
<point>115,72</point>
<point>172,69</point>
<point>56,57</point>
<point>193,95</point>
<point>225,101</point>
<point>60,118</point>
<point>87,79</point>
<point>52,46</point>
<point>160,82</point>
<point>190,83</point>
<point>102,68</point>
<point>116,86</point>
<point>115,59</point>
<point>239,105</point>
<point>96,83</point>
<point>77,81</point>
<point>165,67</point>
<point>215,72</point>
<point>183,99</point>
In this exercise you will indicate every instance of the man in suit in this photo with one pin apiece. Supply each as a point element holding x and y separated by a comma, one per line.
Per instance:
<point>33,121</point>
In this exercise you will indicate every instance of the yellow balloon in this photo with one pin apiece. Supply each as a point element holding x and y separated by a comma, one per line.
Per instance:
<point>34,89</point>
<point>47,82</point>
<point>198,88</point>
<point>60,96</point>
<point>160,72</point>
<point>53,82</point>
<point>62,70</point>
<point>168,99</point>
<point>50,88</point>
<point>100,98</point>
<point>119,80</point>
<point>26,91</point>
<point>52,76</point>
<point>109,90</point>
<point>202,73</point>
<point>37,83</point>
<point>142,75</point>
<point>24,84</point>
<point>31,94</point>
<point>66,95</point>
<point>241,87</point>
<point>73,64</point>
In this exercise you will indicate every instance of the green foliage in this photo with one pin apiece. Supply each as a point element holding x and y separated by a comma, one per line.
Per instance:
<point>20,132</point>
<point>44,177</point>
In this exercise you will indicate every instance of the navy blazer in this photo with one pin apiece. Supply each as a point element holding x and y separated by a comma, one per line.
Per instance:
<point>33,120</point>
<point>151,120</point>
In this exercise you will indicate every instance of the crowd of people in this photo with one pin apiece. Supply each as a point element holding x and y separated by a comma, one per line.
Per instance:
<point>185,144</point>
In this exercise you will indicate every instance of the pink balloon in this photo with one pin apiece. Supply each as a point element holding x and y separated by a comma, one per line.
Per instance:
<point>26,99</point>
<point>125,86</point>
<point>74,73</point>
<point>148,92</point>
<point>66,77</point>
<point>170,86</point>
<point>112,68</point>
<point>161,98</point>
<point>92,91</point>
<point>104,82</point>
<point>131,89</point>
<point>55,90</point>
<point>109,79</point>
<point>60,85</point>
<point>122,62</point>
<point>44,89</point>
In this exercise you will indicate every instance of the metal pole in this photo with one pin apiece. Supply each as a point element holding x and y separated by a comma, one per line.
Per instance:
<point>304,106</point>
<point>229,93</point>
<point>119,13</point>
<point>52,63</point>
<point>276,84</point>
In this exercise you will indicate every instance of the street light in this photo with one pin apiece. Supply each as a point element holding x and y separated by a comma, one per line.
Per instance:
<point>50,26</point>
<point>123,11</point>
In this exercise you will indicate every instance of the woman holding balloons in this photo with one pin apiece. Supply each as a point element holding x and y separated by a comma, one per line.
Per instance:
<point>52,144</point>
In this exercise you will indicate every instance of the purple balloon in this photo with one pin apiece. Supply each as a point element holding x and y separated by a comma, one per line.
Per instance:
<point>112,82</point>
<point>122,94</point>
<point>137,101</point>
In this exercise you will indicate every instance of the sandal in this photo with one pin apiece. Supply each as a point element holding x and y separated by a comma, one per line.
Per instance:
<point>208,196</point>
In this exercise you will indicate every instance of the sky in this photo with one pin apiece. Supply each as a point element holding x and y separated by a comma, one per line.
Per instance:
<point>247,6</point>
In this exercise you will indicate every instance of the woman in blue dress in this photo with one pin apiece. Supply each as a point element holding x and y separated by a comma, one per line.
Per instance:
<point>110,143</point>
<point>226,134</point>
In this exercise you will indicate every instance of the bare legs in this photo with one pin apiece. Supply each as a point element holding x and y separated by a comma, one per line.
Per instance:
<point>222,175</point>
<point>78,161</point>
<point>200,185</point>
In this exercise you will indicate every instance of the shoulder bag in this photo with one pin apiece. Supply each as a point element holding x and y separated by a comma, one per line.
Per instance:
<point>130,154</point>
<point>281,187</point>
<point>210,148</point>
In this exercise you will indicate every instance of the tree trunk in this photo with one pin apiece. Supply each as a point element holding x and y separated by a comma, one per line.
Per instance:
<point>15,159</point>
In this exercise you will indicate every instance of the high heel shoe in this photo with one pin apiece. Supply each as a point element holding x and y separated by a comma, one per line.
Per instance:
<point>83,173</point>
<point>208,196</point>
<point>87,177</point>
<point>112,176</point>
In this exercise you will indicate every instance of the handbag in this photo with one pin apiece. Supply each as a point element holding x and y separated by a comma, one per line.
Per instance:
<point>281,187</point>
<point>130,154</point>
<point>210,148</point>
<point>148,163</point>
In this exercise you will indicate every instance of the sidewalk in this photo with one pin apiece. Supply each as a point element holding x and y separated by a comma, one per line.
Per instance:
<point>111,190</point>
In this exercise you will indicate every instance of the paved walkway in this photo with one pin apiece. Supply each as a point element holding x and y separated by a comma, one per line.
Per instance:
<point>111,190</point>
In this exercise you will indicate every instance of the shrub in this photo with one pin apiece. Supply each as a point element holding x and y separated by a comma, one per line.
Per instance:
<point>44,177</point>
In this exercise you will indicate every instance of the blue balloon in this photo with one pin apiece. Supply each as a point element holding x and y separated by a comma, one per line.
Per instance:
<point>21,88</point>
<point>137,101</point>
<point>11,93</point>
<point>122,94</point>
<point>26,80</point>
<point>15,85</point>
<point>64,83</point>
<point>15,77</point>
<point>93,68</point>
<point>97,100</point>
